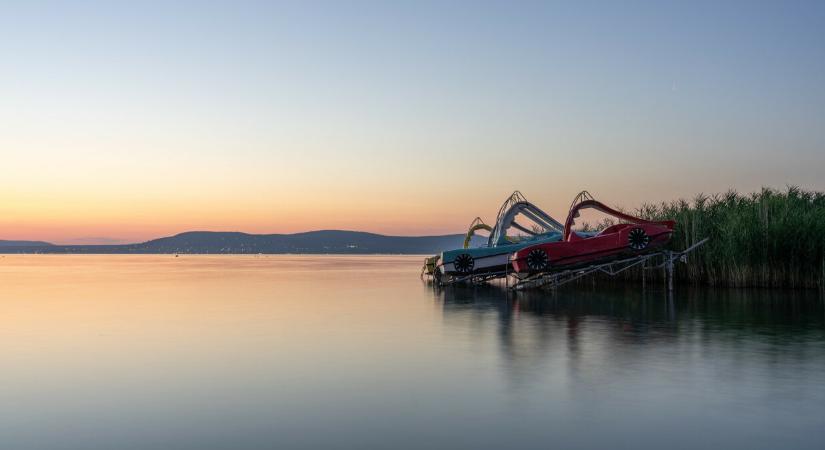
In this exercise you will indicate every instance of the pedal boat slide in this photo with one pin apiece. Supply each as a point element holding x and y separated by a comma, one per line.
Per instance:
<point>632,236</point>
<point>494,257</point>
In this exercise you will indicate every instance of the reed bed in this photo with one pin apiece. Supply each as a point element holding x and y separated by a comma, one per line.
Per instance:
<point>770,238</point>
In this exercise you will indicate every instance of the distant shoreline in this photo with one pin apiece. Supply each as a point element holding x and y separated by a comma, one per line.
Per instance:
<point>324,242</point>
<point>3,254</point>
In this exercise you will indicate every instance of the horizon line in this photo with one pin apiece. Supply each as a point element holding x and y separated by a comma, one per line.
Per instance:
<point>112,244</point>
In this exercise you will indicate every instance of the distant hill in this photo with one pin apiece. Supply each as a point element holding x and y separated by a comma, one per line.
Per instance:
<point>23,243</point>
<point>316,242</point>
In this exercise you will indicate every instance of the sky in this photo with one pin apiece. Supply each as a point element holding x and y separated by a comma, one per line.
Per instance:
<point>126,121</point>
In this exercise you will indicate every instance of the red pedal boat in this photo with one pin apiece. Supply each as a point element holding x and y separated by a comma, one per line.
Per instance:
<point>632,236</point>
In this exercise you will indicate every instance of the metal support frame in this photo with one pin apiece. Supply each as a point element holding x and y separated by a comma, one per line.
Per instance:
<point>649,261</point>
<point>664,259</point>
<point>471,279</point>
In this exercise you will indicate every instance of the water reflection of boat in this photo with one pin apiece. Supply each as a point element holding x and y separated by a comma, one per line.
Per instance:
<point>608,302</point>
<point>540,333</point>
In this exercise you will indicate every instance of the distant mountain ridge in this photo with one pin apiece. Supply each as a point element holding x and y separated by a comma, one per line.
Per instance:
<point>313,242</point>
<point>4,243</point>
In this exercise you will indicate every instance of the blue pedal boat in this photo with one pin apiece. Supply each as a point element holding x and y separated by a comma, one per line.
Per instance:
<point>494,256</point>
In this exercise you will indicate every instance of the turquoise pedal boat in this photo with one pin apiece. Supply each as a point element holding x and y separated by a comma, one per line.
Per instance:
<point>494,257</point>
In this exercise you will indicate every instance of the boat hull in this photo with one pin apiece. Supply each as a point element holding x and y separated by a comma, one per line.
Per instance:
<point>484,264</point>
<point>602,247</point>
<point>472,261</point>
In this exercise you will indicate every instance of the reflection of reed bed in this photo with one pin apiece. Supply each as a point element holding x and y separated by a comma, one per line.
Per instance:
<point>765,239</point>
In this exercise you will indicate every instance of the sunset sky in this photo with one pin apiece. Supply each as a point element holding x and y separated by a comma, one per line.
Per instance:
<point>122,122</point>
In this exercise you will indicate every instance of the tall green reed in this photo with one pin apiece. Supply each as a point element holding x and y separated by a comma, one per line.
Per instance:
<point>769,238</point>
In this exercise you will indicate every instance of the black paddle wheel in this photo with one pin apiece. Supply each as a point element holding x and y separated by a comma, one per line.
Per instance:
<point>537,260</point>
<point>464,263</point>
<point>638,239</point>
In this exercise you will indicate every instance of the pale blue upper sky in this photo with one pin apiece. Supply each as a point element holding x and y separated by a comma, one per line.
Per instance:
<point>298,114</point>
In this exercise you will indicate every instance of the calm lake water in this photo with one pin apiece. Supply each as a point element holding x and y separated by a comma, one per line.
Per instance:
<point>243,352</point>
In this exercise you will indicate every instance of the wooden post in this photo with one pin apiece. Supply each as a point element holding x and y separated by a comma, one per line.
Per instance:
<point>506,274</point>
<point>644,274</point>
<point>669,267</point>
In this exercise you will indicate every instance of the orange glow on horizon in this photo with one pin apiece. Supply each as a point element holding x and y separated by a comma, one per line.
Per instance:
<point>102,218</point>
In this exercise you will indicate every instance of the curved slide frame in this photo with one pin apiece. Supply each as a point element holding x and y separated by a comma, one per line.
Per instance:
<point>495,256</point>
<point>515,204</point>
<point>476,225</point>
<point>586,201</point>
